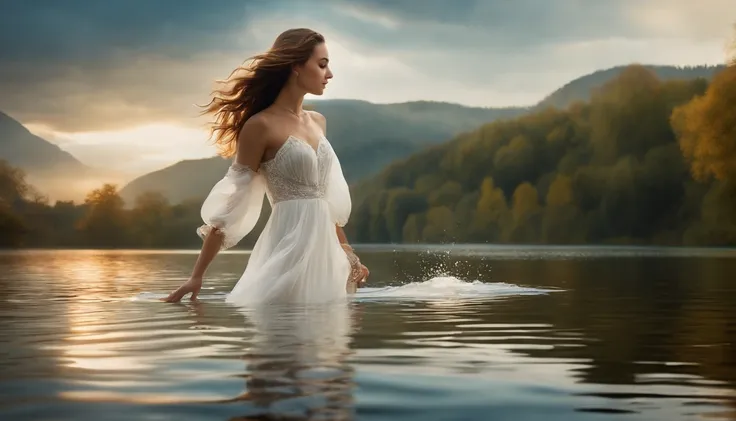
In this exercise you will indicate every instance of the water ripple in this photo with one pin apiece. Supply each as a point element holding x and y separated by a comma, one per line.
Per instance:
<point>84,336</point>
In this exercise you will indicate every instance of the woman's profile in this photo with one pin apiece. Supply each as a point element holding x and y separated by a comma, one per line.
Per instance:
<point>280,150</point>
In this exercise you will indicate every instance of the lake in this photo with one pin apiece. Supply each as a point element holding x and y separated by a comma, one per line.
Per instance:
<point>442,333</point>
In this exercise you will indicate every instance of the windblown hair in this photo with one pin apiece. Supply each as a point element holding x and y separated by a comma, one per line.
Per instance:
<point>257,85</point>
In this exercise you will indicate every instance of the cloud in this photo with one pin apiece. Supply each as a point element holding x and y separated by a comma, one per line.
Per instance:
<point>525,23</point>
<point>91,65</point>
<point>704,20</point>
<point>496,53</point>
<point>473,24</point>
<point>482,42</point>
<point>79,30</point>
<point>118,92</point>
<point>132,151</point>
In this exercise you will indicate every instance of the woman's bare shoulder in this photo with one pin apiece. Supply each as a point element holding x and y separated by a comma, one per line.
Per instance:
<point>255,129</point>
<point>319,119</point>
<point>262,127</point>
<point>255,137</point>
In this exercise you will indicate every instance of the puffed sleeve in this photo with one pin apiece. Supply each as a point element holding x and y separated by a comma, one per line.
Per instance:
<point>233,205</point>
<point>337,192</point>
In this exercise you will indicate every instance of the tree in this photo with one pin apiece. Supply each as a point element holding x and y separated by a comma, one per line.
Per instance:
<point>447,195</point>
<point>440,225</point>
<point>525,202</point>
<point>105,223</point>
<point>617,126</point>
<point>401,203</point>
<point>561,222</point>
<point>149,219</point>
<point>490,212</point>
<point>560,191</point>
<point>412,232</point>
<point>706,129</point>
<point>13,186</point>
<point>11,227</point>
<point>525,213</point>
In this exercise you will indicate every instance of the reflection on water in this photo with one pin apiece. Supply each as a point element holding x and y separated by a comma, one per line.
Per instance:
<point>297,361</point>
<point>454,333</point>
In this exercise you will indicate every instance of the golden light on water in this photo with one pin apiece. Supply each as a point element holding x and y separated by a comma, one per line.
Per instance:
<point>93,341</point>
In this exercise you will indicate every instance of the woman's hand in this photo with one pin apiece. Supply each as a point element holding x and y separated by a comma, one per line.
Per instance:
<point>366,272</point>
<point>193,285</point>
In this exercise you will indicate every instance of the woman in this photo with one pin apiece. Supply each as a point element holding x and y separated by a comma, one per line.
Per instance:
<point>279,150</point>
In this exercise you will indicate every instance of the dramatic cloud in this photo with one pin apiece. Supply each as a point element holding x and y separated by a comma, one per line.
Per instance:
<point>74,66</point>
<point>89,65</point>
<point>530,22</point>
<point>529,47</point>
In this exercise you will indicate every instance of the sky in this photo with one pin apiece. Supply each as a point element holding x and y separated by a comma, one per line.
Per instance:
<point>116,82</point>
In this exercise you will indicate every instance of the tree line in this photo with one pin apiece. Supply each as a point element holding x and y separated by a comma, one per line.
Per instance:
<point>644,161</point>
<point>27,219</point>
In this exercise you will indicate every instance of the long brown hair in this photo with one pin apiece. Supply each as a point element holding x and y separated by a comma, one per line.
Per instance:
<point>257,85</point>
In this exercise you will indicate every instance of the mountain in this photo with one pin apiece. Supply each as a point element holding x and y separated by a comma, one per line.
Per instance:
<point>31,153</point>
<point>365,135</point>
<point>581,88</point>
<point>191,178</point>
<point>52,171</point>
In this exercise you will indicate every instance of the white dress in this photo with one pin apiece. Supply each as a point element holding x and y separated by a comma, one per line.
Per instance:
<point>298,257</point>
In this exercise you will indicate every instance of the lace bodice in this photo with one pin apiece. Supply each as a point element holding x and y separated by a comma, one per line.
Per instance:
<point>297,171</point>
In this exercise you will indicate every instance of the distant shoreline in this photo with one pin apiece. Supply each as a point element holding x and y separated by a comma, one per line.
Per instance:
<point>459,247</point>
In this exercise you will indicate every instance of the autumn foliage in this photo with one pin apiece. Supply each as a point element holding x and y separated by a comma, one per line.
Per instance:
<point>627,167</point>
<point>706,127</point>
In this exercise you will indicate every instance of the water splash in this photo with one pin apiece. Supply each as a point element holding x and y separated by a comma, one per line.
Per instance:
<point>447,287</point>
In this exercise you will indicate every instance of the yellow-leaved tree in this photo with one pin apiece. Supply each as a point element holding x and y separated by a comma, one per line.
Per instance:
<point>706,129</point>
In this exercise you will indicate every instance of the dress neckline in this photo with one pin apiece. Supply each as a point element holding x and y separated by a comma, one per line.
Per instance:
<point>299,140</point>
<point>315,149</point>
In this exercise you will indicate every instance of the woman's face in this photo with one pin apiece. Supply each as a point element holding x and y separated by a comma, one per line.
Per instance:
<point>313,75</point>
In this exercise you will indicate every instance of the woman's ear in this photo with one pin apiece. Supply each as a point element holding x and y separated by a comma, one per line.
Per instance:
<point>295,70</point>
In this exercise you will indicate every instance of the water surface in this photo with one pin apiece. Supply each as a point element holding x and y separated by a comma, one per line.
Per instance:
<point>442,333</point>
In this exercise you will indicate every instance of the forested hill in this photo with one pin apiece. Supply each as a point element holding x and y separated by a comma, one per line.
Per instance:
<point>581,88</point>
<point>615,169</point>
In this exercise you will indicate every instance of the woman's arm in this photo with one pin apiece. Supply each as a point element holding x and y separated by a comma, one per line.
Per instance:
<point>210,248</point>
<point>364,272</point>
<point>251,146</point>
<point>341,235</point>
